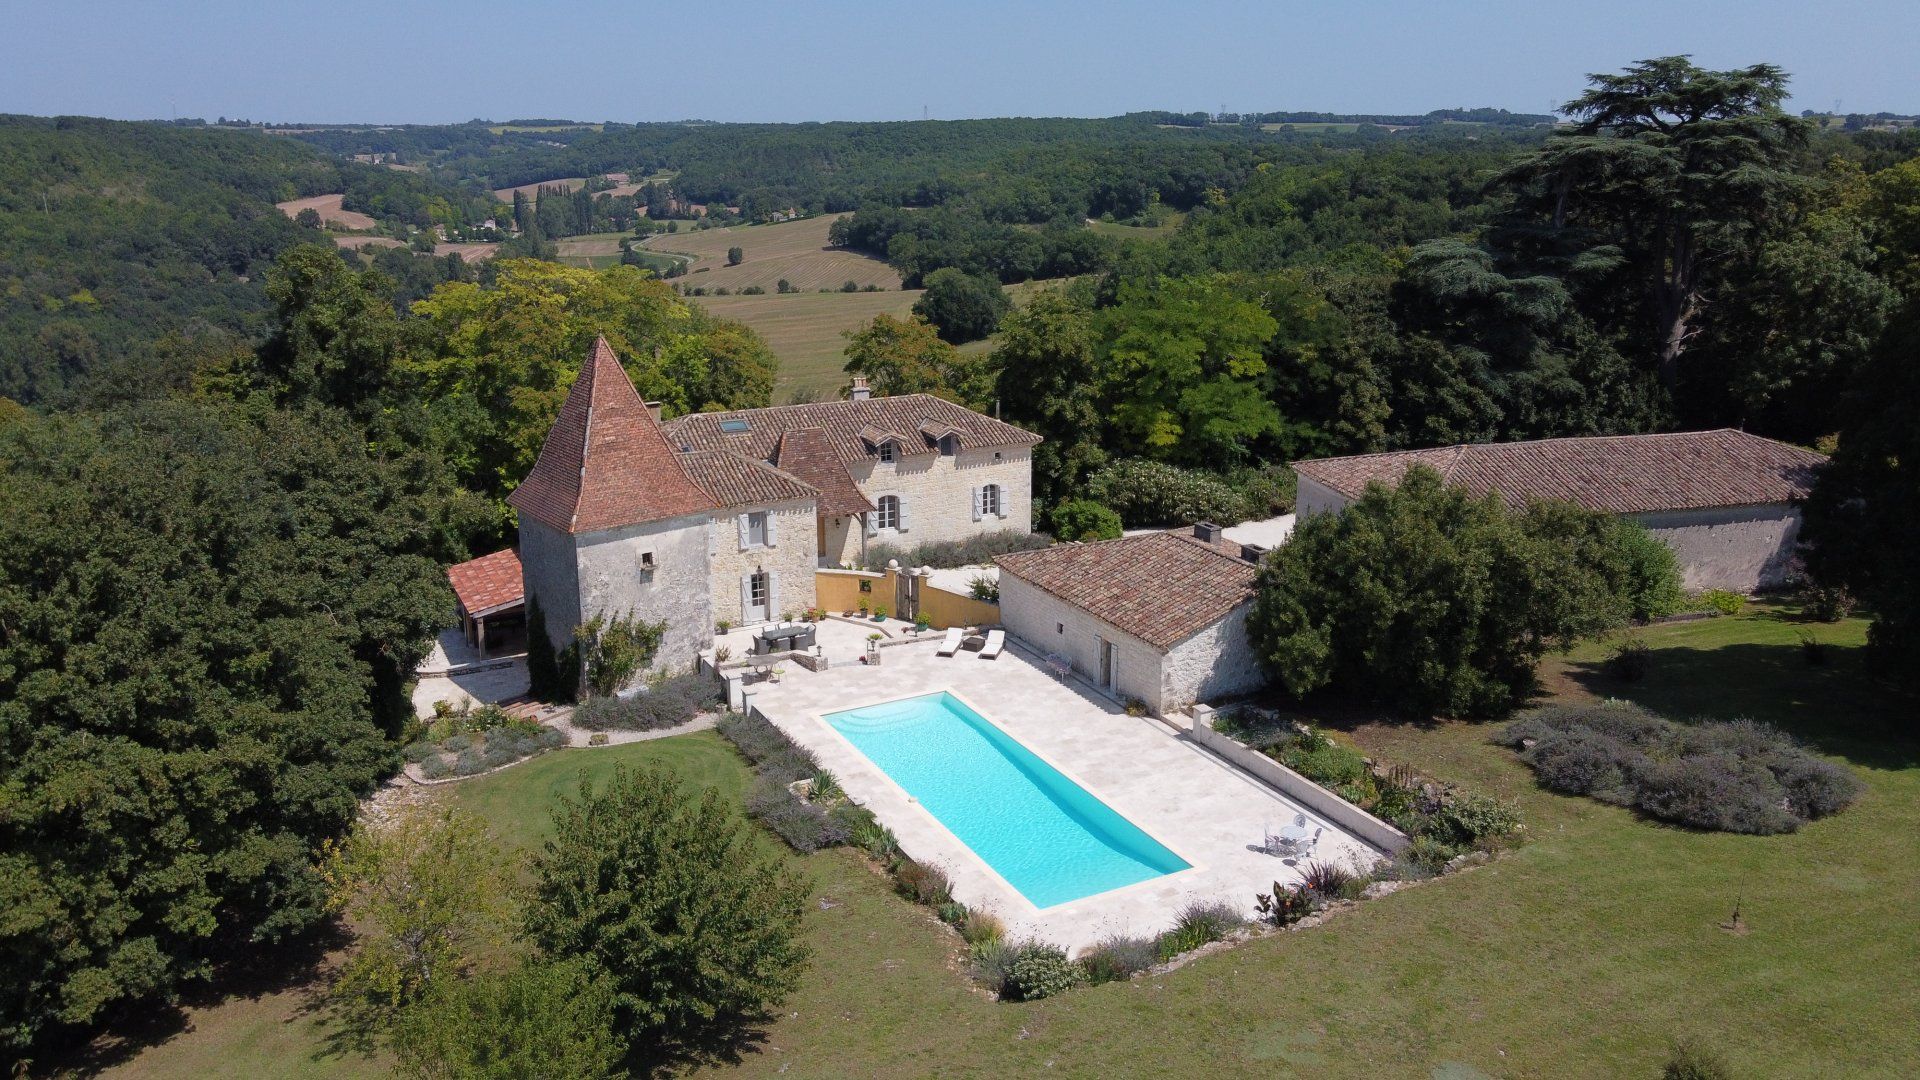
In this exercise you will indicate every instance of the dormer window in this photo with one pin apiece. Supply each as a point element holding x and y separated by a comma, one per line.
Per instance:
<point>949,446</point>
<point>886,451</point>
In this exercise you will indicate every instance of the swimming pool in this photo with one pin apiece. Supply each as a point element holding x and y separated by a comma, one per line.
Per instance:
<point>1036,828</point>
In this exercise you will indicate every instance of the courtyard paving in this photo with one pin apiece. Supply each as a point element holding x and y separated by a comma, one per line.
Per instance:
<point>1209,813</point>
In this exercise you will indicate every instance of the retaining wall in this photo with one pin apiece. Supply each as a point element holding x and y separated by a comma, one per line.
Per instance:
<point>1350,818</point>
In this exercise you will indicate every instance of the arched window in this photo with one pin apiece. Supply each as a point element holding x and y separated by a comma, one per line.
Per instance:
<point>990,501</point>
<point>888,515</point>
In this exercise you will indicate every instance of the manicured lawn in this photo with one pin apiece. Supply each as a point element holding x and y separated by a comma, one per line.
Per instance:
<point>1584,953</point>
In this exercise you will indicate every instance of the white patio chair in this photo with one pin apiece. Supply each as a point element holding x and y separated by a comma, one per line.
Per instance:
<point>996,640</point>
<point>951,643</point>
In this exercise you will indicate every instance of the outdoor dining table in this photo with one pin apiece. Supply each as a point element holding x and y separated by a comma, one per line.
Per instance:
<point>781,638</point>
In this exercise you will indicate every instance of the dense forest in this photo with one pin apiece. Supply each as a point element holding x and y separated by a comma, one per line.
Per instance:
<point>119,239</point>
<point>234,461</point>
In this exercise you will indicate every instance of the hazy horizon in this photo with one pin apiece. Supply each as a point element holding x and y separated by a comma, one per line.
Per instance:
<point>359,62</point>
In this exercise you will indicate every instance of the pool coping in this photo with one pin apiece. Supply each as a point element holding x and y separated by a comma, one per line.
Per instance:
<point>1194,866</point>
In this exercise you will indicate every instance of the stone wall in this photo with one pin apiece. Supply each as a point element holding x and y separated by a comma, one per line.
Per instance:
<point>841,541</point>
<point>677,591</point>
<point>550,579</point>
<point>937,493</point>
<point>1217,662</point>
<point>1314,497</point>
<point>790,559</point>
<point>1741,548</point>
<point>1048,624</point>
<point>1356,822</point>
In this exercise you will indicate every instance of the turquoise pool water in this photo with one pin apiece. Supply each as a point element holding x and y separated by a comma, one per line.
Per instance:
<point>1041,831</point>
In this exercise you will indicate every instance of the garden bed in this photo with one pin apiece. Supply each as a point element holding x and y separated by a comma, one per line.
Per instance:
<point>1442,821</point>
<point>465,741</point>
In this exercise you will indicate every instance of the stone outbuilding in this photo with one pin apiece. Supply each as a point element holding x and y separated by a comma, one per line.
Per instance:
<point>1160,618</point>
<point>1725,501</point>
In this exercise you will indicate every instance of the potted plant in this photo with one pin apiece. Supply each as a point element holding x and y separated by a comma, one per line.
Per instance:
<point>722,626</point>
<point>864,607</point>
<point>921,623</point>
<point>776,673</point>
<point>880,614</point>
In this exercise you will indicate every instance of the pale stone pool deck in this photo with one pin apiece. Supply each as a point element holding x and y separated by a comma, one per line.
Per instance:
<point>1207,812</point>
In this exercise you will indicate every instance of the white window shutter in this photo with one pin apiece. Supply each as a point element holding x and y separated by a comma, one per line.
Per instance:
<point>902,514</point>
<point>871,519</point>
<point>773,594</point>
<point>976,504</point>
<point>1000,500</point>
<point>770,516</point>
<point>741,520</point>
<point>746,598</point>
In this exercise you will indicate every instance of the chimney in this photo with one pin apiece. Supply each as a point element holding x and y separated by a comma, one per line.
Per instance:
<point>653,409</point>
<point>1206,532</point>
<point>859,392</point>
<point>1252,552</point>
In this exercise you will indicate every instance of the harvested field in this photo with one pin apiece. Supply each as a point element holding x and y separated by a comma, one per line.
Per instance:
<point>794,250</point>
<point>354,243</point>
<point>472,253</point>
<point>804,331</point>
<point>330,212</point>
<point>574,247</point>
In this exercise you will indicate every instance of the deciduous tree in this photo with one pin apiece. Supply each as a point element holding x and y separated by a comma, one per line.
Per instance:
<point>667,896</point>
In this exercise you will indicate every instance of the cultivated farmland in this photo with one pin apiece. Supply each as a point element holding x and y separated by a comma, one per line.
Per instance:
<point>794,250</point>
<point>595,250</point>
<point>330,211</point>
<point>804,330</point>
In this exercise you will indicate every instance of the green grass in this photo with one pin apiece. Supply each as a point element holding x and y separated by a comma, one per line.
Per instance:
<point>1583,953</point>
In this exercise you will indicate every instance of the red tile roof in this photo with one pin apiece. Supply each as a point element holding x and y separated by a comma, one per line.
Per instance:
<point>605,463</point>
<point>736,480</point>
<point>844,423</point>
<point>1160,587</point>
<point>807,453</point>
<point>1621,474</point>
<point>488,583</point>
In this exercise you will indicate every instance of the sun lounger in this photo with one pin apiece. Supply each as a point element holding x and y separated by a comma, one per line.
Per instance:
<point>996,640</point>
<point>951,643</point>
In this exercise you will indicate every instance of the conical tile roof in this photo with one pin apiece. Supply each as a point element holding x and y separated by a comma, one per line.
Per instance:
<point>605,463</point>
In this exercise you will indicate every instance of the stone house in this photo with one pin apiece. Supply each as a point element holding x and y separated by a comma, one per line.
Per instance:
<point>693,526</point>
<point>1159,618</point>
<point>1725,501</point>
<point>902,470</point>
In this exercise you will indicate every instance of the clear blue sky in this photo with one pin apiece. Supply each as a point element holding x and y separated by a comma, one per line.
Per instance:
<point>394,61</point>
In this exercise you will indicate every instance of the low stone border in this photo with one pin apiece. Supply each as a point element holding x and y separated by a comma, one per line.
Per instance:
<point>565,724</point>
<point>1352,819</point>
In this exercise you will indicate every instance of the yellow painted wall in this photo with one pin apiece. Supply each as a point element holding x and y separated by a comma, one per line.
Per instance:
<point>838,591</point>
<point>953,609</point>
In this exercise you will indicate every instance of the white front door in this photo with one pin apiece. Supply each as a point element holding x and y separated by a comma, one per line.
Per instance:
<point>755,607</point>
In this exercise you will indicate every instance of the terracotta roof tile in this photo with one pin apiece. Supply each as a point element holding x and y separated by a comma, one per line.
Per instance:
<point>605,463</point>
<point>732,479</point>
<point>807,454</point>
<point>844,423</point>
<point>1621,474</point>
<point>487,583</point>
<point>1159,587</point>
